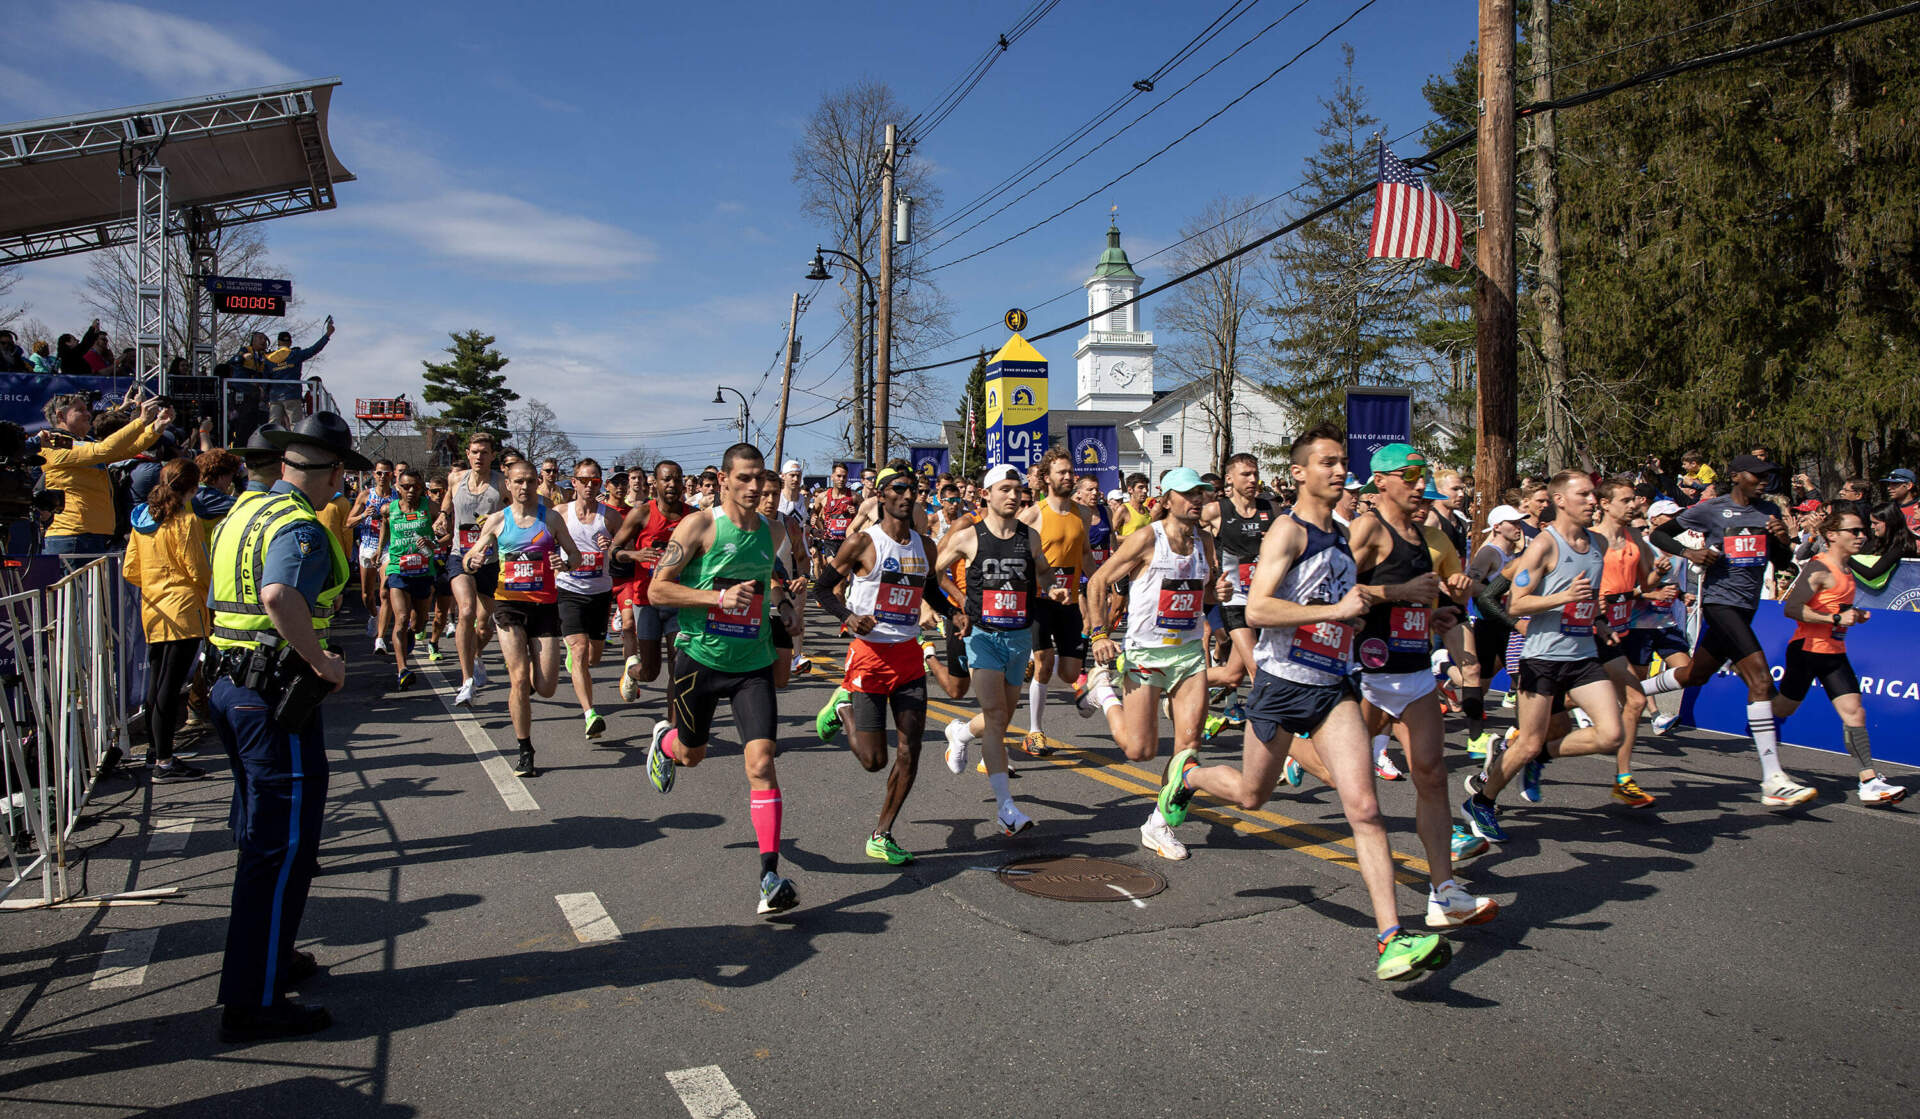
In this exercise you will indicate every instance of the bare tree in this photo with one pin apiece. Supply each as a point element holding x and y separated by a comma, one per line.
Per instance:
<point>9,312</point>
<point>1213,318</point>
<point>536,432</point>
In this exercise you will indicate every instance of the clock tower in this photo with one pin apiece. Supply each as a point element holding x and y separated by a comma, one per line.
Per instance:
<point>1114,360</point>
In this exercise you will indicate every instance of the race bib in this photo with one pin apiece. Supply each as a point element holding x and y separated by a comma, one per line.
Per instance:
<point>1100,555</point>
<point>1748,549</point>
<point>1063,577</point>
<point>898,598</point>
<point>1619,611</point>
<point>837,526</point>
<point>1325,646</point>
<point>413,563</point>
<point>1407,629</point>
<point>1003,607</point>
<point>743,623</point>
<point>1180,603</point>
<point>468,534</point>
<point>525,576</point>
<point>590,565</point>
<point>1576,618</point>
<point>1243,573</point>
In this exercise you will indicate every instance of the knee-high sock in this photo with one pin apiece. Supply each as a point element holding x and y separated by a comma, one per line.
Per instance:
<point>1766,740</point>
<point>1858,747</point>
<point>1667,680</point>
<point>1474,706</point>
<point>764,806</point>
<point>1036,702</point>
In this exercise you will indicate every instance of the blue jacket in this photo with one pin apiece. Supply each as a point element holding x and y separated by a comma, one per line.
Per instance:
<point>281,364</point>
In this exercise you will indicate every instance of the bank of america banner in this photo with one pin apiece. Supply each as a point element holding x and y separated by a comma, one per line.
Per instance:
<point>930,461</point>
<point>855,468</point>
<point>1376,417</point>
<point>1096,451</point>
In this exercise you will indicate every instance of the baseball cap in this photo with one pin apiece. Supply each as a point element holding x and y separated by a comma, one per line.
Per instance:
<point>1663,508</point>
<point>1001,473</point>
<point>1352,482</point>
<point>1751,465</point>
<point>1392,458</point>
<point>1116,495</point>
<point>791,466</point>
<point>1183,479</point>
<point>1900,475</point>
<point>1807,506</point>
<point>1502,514</point>
<point>1433,491</point>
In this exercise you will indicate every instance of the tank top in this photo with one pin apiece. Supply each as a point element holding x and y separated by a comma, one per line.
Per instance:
<point>1167,597</point>
<point>890,593</point>
<point>369,529</point>
<point>1823,636</point>
<point>1619,578</point>
<point>1394,636</point>
<point>526,559</point>
<point>782,545</point>
<point>1456,530</point>
<point>471,509</point>
<point>409,542</point>
<point>591,536</point>
<point>1566,634</point>
<point>1134,521</point>
<point>1063,541</point>
<point>1001,580</point>
<point>654,534</point>
<point>836,512</point>
<point>1099,532</point>
<point>1316,655</point>
<point>731,641</point>
<point>1239,541</point>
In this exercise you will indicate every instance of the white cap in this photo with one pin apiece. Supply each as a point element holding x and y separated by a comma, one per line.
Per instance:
<point>1663,508</point>
<point>1003,472</point>
<point>1116,495</point>
<point>1502,514</point>
<point>792,466</point>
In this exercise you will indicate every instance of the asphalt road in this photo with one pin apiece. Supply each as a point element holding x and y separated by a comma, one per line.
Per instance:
<point>1707,956</point>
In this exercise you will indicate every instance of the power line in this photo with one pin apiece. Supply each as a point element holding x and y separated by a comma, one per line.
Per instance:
<point>922,124</point>
<point>1721,18</point>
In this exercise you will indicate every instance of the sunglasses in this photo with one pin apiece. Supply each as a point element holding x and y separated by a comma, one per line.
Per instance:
<point>1855,531</point>
<point>1409,474</point>
<point>586,481</point>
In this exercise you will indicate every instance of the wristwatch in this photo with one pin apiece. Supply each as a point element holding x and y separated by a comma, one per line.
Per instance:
<point>1836,619</point>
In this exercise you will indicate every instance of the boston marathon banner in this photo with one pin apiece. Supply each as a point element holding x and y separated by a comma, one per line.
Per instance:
<point>855,469</point>
<point>24,396</point>
<point>1016,405</point>
<point>1376,417</point>
<point>931,461</point>
<point>1096,451</point>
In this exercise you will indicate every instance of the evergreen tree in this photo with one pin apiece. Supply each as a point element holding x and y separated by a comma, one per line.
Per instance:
<point>969,453</point>
<point>471,388</point>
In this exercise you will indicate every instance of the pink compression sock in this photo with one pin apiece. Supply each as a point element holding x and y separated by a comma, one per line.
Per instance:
<point>764,806</point>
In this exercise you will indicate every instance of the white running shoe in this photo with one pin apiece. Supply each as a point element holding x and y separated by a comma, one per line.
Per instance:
<point>380,645</point>
<point>957,740</point>
<point>479,673</point>
<point>1582,719</point>
<point>452,628</point>
<point>1879,793</point>
<point>1012,820</point>
<point>1784,792</point>
<point>1157,837</point>
<point>1510,700</point>
<point>1384,769</point>
<point>629,687</point>
<point>464,697</point>
<point>1663,724</point>
<point>1451,906</point>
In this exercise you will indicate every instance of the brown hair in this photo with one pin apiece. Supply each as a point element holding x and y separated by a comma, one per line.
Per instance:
<point>178,480</point>
<point>217,463</point>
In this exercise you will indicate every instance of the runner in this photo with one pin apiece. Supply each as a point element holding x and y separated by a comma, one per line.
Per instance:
<point>1490,571</point>
<point>368,510</point>
<point>1628,578</point>
<point>1304,600</point>
<point>1238,522</point>
<point>406,555</point>
<point>954,676</point>
<point>717,570</point>
<point>789,549</point>
<point>643,536</point>
<point>1169,569</point>
<point>1556,589</point>
<point>474,494</point>
<point>890,564</point>
<point>523,539</point>
<point>1660,629</point>
<point>1821,600</point>
<point>586,592</point>
<point>1134,513</point>
<point>832,512</point>
<point>1059,631</point>
<point>1741,532</point>
<point>1001,556</point>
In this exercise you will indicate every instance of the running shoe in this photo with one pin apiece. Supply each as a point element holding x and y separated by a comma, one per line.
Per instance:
<point>1214,725</point>
<point>380,645</point>
<point>827,723</point>
<point>1479,745</point>
<point>1530,782</point>
<point>479,673</point>
<point>596,724</point>
<point>629,687</point>
<point>449,631</point>
<point>464,697</point>
<point>777,894</point>
<point>1781,791</point>
<point>403,680</point>
<point>1157,837</point>
<point>373,626</point>
<point>1174,794</point>
<point>1384,769</point>
<point>1628,792</point>
<point>421,636</point>
<point>523,767</point>
<point>881,846</point>
<point>1465,844</point>
<point>177,770</point>
<point>660,765</point>
<point>980,767</point>
<point>1292,774</point>
<point>1879,793</point>
<point>1083,700</point>
<point>1450,905</point>
<point>434,655</point>
<point>1582,720</point>
<point>1663,724</point>
<point>1483,820</point>
<point>957,742</point>
<point>1219,695</point>
<point>1012,820</point>
<point>1510,700</point>
<point>1449,699</point>
<point>568,660</point>
<point>1034,745</point>
<point>1405,955</point>
<point>1474,782</point>
<point>801,666</point>
<point>1236,714</point>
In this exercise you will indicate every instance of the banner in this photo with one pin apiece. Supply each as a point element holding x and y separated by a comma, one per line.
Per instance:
<point>24,396</point>
<point>1376,417</point>
<point>1096,451</point>
<point>1901,591</point>
<point>855,469</point>
<point>931,461</point>
<point>1016,405</point>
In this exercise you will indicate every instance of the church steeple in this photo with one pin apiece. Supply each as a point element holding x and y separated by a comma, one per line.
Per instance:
<point>1114,262</point>
<point>1115,358</point>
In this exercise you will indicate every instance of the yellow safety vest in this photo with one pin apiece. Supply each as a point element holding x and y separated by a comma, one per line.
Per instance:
<point>239,557</point>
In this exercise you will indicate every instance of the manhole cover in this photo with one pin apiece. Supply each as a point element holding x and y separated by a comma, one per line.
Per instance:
<point>1079,878</point>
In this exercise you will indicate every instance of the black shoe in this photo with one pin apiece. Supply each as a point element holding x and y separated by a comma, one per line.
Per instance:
<point>268,1023</point>
<point>299,967</point>
<point>176,770</point>
<point>524,767</point>
<point>109,762</point>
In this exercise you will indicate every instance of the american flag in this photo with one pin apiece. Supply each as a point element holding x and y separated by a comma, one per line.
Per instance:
<point>1410,220</point>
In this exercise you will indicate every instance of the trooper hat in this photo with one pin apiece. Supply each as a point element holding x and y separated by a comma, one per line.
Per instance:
<point>325,430</point>
<point>258,443</point>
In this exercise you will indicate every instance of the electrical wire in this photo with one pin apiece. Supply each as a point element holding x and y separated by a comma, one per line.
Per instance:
<point>1651,39</point>
<point>921,125</point>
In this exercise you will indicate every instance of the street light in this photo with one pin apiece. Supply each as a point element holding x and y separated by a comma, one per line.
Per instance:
<point>865,346</point>
<point>744,414</point>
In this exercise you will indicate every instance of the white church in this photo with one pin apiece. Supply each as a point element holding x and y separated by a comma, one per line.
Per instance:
<point>1114,382</point>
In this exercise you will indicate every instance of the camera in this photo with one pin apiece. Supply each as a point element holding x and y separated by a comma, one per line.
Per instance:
<point>18,499</point>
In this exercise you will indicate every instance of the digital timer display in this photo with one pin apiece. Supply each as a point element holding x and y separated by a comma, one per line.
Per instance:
<point>235,303</point>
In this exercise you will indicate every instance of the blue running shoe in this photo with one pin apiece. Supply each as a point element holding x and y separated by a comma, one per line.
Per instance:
<point>1530,782</point>
<point>1483,820</point>
<point>1465,844</point>
<point>777,894</point>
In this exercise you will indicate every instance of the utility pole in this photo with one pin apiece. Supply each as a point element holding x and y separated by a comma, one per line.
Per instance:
<point>1496,387</point>
<point>786,382</point>
<point>861,320</point>
<point>1546,198</point>
<point>883,316</point>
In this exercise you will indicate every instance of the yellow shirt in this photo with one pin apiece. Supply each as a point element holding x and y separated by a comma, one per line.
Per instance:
<point>1132,520</point>
<point>335,516</point>
<point>1063,541</point>
<point>80,471</point>
<point>1445,557</point>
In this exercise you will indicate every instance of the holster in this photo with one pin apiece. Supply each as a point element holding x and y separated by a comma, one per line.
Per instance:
<point>294,691</point>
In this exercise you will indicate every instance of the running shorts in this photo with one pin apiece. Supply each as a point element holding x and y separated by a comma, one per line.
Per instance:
<point>1165,666</point>
<point>1005,651</point>
<point>538,619</point>
<point>1394,692</point>
<point>880,669</point>
<point>418,587</point>
<point>1233,617</point>
<point>908,701</point>
<point>695,691</point>
<point>1558,678</point>
<point>1059,627</point>
<point>485,580</point>
<point>654,623</point>
<point>1277,704</point>
<point>957,654</point>
<point>585,613</point>
<point>1642,644</point>
<point>1833,670</point>
<point>1727,632</point>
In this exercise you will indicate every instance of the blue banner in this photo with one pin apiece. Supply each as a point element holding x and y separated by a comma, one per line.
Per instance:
<point>1096,451</point>
<point>855,469</point>
<point>24,396</point>
<point>1376,417</point>
<point>929,462</point>
<point>1901,591</point>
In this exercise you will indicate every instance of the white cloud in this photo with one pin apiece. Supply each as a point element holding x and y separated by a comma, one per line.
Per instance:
<point>508,232</point>
<point>174,52</point>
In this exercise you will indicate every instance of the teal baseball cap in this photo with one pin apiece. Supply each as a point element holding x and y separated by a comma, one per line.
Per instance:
<point>1183,479</point>
<point>1392,459</point>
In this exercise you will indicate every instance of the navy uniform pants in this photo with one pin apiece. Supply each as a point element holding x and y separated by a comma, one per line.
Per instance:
<point>279,796</point>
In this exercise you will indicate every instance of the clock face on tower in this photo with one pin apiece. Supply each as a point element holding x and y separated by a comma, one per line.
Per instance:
<point>1123,373</point>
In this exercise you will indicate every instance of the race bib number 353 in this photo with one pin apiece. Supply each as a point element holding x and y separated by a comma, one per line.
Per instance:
<point>1327,646</point>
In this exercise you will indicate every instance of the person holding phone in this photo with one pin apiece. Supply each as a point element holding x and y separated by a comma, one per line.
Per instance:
<point>76,465</point>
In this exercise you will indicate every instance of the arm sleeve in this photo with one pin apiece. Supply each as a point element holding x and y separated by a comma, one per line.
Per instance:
<point>1876,573</point>
<point>1664,539</point>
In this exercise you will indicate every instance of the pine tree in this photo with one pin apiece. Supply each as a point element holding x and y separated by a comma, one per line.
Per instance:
<point>471,387</point>
<point>969,458</point>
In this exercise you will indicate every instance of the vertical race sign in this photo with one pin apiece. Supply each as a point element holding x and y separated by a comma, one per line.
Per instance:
<point>930,461</point>
<point>856,469</point>
<point>1096,451</point>
<point>1016,405</point>
<point>1376,417</point>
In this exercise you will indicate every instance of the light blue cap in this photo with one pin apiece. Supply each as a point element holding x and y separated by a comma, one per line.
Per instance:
<point>1183,479</point>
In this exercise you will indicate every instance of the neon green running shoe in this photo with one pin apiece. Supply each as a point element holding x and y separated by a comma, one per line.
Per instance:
<point>884,848</point>
<point>1405,955</point>
<point>569,660</point>
<point>827,723</point>
<point>1174,793</point>
<point>596,724</point>
<point>433,654</point>
<point>1213,726</point>
<point>1478,746</point>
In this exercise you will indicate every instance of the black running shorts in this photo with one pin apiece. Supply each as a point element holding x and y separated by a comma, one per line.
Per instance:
<point>538,619</point>
<point>1558,678</point>
<point>1233,617</point>
<point>907,700</point>
<point>956,653</point>
<point>1727,632</point>
<point>695,691</point>
<point>1833,670</point>
<point>1058,626</point>
<point>1299,709</point>
<point>585,613</point>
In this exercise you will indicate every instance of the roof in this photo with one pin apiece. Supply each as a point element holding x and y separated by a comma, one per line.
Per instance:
<point>1017,349</point>
<point>1114,261</point>
<point>1172,400</point>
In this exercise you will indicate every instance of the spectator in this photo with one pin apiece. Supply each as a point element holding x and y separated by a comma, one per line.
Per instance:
<point>128,364</point>
<point>13,359</point>
<point>167,560</point>
<point>1853,490</point>
<point>41,360</point>
<point>281,362</point>
<point>1695,476</point>
<point>100,357</point>
<point>1901,499</point>
<point>219,477</point>
<point>72,352</point>
<point>77,466</point>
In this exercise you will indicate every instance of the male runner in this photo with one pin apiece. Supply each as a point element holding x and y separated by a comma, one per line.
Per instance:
<point>832,512</point>
<point>1059,631</point>
<point>1238,522</point>
<point>552,490</point>
<point>890,564</point>
<point>586,592</point>
<point>368,510</point>
<point>473,495</point>
<point>1489,571</point>
<point>643,536</point>
<point>1742,532</point>
<point>793,497</point>
<point>1661,629</point>
<point>1135,512</point>
<point>404,556</point>
<point>1305,600</point>
<point>444,608</point>
<point>1629,577</point>
<point>790,571</point>
<point>526,539</point>
<point>717,570</point>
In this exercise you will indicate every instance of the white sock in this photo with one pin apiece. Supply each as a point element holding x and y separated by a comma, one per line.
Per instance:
<point>1434,891</point>
<point>1668,680</point>
<point>1380,748</point>
<point>1106,697</point>
<point>1766,740</point>
<point>1036,702</point>
<point>1156,818</point>
<point>1002,792</point>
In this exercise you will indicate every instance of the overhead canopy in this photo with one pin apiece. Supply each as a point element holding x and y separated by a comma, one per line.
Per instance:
<point>236,157</point>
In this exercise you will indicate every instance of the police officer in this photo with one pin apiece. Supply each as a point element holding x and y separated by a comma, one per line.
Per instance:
<point>277,579</point>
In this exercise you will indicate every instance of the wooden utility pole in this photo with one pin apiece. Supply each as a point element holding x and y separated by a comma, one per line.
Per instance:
<point>1546,199</point>
<point>883,314</point>
<point>1497,389</point>
<point>786,384</point>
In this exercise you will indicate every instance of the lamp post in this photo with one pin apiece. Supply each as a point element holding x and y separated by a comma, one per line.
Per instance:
<point>818,271</point>
<point>745,416</point>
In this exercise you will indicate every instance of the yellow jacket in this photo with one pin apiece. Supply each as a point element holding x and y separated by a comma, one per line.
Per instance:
<point>334,516</point>
<point>169,564</point>
<point>81,472</point>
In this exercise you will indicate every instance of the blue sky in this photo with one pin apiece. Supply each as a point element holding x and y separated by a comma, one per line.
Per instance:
<point>607,187</point>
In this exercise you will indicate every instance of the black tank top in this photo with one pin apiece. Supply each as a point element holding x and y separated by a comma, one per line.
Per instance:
<point>1239,536</point>
<point>1394,637</point>
<point>1456,531</point>
<point>1001,579</point>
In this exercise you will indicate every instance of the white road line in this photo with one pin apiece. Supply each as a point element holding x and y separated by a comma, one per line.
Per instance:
<point>124,963</point>
<point>169,835</point>
<point>1128,894</point>
<point>588,917</point>
<point>708,1094</point>
<point>511,788</point>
